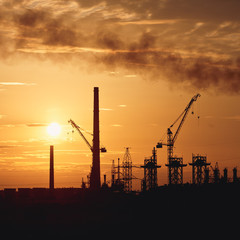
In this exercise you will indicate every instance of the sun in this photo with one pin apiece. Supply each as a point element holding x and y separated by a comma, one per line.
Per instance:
<point>53,129</point>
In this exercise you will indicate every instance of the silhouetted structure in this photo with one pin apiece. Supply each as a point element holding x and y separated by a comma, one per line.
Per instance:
<point>104,185</point>
<point>175,164</point>
<point>200,171</point>
<point>51,172</point>
<point>117,182</point>
<point>175,168</point>
<point>235,178</point>
<point>95,181</point>
<point>206,175</point>
<point>225,176</point>
<point>216,173</point>
<point>74,213</point>
<point>127,171</point>
<point>113,172</point>
<point>150,172</point>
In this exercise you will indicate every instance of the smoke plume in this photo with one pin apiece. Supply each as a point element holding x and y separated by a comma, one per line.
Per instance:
<point>129,35</point>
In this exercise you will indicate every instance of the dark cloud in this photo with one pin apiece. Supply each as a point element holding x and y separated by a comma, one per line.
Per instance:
<point>201,72</point>
<point>109,40</point>
<point>43,26</point>
<point>146,41</point>
<point>199,26</point>
<point>217,10</point>
<point>31,18</point>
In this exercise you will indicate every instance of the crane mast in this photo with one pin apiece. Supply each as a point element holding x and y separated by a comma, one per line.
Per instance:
<point>175,164</point>
<point>172,139</point>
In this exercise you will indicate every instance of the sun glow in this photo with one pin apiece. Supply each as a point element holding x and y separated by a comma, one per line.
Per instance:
<point>54,129</point>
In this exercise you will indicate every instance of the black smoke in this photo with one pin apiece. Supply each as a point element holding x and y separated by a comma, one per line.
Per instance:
<point>141,53</point>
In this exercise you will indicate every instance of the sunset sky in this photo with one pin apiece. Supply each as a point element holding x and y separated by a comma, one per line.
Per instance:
<point>148,58</point>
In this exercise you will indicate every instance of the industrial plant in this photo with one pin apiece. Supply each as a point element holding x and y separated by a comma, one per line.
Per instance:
<point>122,174</point>
<point>97,204</point>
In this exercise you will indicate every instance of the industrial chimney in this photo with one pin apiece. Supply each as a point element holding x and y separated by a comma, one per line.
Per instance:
<point>51,172</point>
<point>95,181</point>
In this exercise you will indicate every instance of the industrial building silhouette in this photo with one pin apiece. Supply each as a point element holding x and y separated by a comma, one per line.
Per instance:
<point>97,209</point>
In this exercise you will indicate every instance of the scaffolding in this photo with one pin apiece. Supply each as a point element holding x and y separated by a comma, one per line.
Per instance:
<point>235,178</point>
<point>117,183</point>
<point>224,179</point>
<point>127,171</point>
<point>150,172</point>
<point>216,173</point>
<point>200,169</point>
<point>175,170</point>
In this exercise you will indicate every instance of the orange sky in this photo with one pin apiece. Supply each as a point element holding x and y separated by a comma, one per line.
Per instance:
<point>148,59</point>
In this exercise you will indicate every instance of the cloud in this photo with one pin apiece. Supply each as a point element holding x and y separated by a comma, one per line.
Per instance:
<point>192,43</point>
<point>37,124</point>
<point>9,141</point>
<point>105,109</point>
<point>37,155</point>
<point>6,146</point>
<point>116,125</point>
<point>73,152</point>
<point>151,22</point>
<point>201,72</point>
<point>11,125</point>
<point>12,158</point>
<point>235,118</point>
<point>208,117</point>
<point>130,76</point>
<point>214,10</point>
<point>16,84</point>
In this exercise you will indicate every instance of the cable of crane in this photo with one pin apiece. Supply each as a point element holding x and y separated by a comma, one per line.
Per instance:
<point>178,118</point>
<point>85,131</point>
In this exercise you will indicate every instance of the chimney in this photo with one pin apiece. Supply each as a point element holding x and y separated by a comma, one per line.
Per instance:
<point>51,172</point>
<point>95,182</point>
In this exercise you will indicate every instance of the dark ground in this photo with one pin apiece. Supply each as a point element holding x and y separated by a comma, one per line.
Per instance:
<point>180,211</point>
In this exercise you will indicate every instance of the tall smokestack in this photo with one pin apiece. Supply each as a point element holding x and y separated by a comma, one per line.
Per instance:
<point>51,172</point>
<point>95,181</point>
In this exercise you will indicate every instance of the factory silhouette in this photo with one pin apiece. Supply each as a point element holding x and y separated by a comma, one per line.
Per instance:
<point>99,207</point>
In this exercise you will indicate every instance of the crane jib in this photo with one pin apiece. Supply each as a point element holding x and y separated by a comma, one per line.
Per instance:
<point>74,125</point>
<point>183,115</point>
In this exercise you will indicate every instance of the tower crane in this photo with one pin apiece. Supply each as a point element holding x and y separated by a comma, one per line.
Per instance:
<point>171,138</point>
<point>74,125</point>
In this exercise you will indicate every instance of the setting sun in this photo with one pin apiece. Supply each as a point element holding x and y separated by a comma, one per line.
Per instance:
<point>54,129</point>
